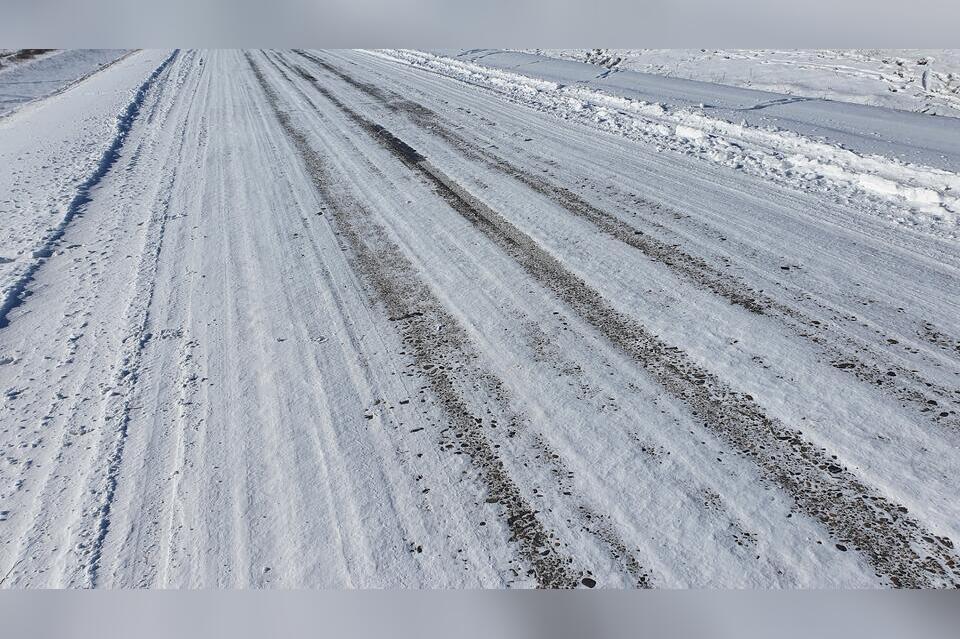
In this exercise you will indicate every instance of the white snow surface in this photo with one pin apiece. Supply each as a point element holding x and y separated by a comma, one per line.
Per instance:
<point>48,73</point>
<point>922,80</point>
<point>401,319</point>
<point>49,148</point>
<point>862,155</point>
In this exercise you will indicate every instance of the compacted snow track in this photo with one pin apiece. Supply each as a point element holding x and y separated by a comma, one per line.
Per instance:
<point>326,319</point>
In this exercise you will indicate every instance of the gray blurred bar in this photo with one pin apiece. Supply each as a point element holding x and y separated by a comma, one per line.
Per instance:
<point>490,23</point>
<point>478,614</point>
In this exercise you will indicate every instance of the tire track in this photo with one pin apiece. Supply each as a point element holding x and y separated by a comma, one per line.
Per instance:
<point>606,535</point>
<point>65,515</point>
<point>933,401</point>
<point>445,357</point>
<point>117,412</point>
<point>896,545</point>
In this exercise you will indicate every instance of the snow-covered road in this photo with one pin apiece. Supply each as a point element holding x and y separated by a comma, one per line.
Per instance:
<point>349,319</point>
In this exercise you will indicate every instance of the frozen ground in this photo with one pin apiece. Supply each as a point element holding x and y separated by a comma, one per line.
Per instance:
<point>393,318</point>
<point>922,80</point>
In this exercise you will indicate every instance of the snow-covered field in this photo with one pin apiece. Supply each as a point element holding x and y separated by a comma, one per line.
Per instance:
<point>923,80</point>
<point>27,77</point>
<point>458,319</point>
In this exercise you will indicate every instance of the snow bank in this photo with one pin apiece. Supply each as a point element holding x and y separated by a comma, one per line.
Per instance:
<point>921,80</point>
<point>908,193</point>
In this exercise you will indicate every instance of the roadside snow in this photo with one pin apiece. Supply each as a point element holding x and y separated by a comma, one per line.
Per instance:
<point>922,80</point>
<point>48,73</point>
<point>80,124</point>
<point>907,193</point>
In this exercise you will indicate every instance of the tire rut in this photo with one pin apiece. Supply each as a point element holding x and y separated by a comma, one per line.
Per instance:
<point>588,516</point>
<point>118,408</point>
<point>896,545</point>
<point>907,385</point>
<point>445,358</point>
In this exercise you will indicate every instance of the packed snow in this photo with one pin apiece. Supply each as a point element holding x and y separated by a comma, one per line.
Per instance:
<point>472,318</point>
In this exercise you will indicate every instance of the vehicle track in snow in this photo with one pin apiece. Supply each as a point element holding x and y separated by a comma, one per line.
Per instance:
<point>842,350</point>
<point>319,326</point>
<point>445,356</point>
<point>589,520</point>
<point>855,513</point>
<point>80,443</point>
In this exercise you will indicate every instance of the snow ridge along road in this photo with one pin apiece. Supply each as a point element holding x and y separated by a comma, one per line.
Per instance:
<point>855,152</point>
<point>339,319</point>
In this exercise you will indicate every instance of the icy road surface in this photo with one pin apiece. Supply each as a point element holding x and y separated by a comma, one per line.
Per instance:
<point>380,319</point>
